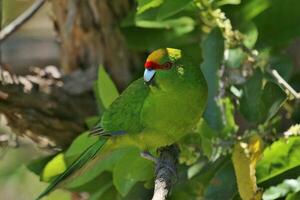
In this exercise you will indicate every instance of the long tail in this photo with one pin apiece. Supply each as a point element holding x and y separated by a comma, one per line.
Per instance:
<point>87,155</point>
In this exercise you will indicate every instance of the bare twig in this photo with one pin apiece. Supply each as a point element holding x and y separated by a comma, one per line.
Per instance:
<point>280,80</point>
<point>284,84</point>
<point>165,171</point>
<point>17,23</point>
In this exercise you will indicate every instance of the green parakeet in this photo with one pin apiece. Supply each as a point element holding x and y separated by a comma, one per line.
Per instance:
<point>154,111</point>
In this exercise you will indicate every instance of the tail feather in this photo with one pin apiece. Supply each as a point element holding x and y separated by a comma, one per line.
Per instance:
<point>87,155</point>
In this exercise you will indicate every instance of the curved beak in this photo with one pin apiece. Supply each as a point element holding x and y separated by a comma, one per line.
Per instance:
<point>148,75</point>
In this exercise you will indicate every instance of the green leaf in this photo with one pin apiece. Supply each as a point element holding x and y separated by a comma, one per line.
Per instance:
<point>96,185</point>
<point>279,23</point>
<point>212,53</point>
<point>107,163</point>
<point>250,34</point>
<point>180,25</point>
<point>152,38</point>
<point>293,196</point>
<point>259,104</point>
<point>191,188</point>
<point>206,133</point>
<point>230,126</point>
<point>250,101</point>
<point>37,166</point>
<point>54,167</point>
<point>81,143</point>
<point>223,184</point>
<point>278,159</point>
<point>109,194</point>
<point>91,121</point>
<point>225,2</point>
<point>101,191</point>
<point>281,190</point>
<point>283,64</point>
<point>248,10</point>
<point>144,5</point>
<point>106,89</point>
<point>272,99</point>
<point>236,58</point>
<point>131,169</point>
<point>171,7</point>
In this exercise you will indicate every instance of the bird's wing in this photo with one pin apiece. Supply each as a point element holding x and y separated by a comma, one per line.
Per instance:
<point>124,114</point>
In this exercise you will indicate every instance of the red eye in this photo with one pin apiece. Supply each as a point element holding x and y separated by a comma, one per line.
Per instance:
<point>167,65</point>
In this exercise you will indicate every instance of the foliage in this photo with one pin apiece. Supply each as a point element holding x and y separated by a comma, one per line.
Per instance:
<point>236,44</point>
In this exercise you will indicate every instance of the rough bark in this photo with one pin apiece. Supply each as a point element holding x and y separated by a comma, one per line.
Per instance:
<point>41,107</point>
<point>89,35</point>
<point>166,171</point>
<point>52,111</point>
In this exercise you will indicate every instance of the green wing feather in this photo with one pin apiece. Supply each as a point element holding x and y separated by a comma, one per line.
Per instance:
<point>122,115</point>
<point>125,112</point>
<point>87,155</point>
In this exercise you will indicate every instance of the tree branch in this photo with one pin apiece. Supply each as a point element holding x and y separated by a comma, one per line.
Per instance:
<point>284,84</point>
<point>165,171</point>
<point>19,21</point>
<point>39,107</point>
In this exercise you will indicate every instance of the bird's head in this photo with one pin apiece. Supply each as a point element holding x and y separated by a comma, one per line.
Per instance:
<point>160,59</point>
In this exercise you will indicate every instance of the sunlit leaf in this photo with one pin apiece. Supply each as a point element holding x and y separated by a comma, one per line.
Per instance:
<point>37,166</point>
<point>106,89</point>
<point>230,125</point>
<point>53,168</point>
<point>245,157</point>
<point>250,34</point>
<point>278,159</point>
<point>224,2</point>
<point>144,5</point>
<point>293,196</point>
<point>281,190</point>
<point>206,133</point>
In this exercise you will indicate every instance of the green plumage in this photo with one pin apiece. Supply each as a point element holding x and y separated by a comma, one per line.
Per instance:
<point>87,155</point>
<point>153,115</point>
<point>159,114</point>
<point>124,112</point>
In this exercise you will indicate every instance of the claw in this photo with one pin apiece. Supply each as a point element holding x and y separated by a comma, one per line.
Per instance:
<point>99,131</point>
<point>147,155</point>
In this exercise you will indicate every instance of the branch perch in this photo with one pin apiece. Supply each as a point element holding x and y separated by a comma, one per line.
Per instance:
<point>284,84</point>
<point>166,171</point>
<point>24,17</point>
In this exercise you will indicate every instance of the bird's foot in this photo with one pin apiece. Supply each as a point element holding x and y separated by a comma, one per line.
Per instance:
<point>147,155</point>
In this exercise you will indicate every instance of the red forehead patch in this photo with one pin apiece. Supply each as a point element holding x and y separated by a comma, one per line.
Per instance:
<point>152,65</point>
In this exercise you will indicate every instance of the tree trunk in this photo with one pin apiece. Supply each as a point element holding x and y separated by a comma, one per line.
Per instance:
<point>89,34</point>
<point>53,110</point>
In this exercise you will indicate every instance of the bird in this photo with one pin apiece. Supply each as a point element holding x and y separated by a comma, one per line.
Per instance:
<point>155,110</point>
